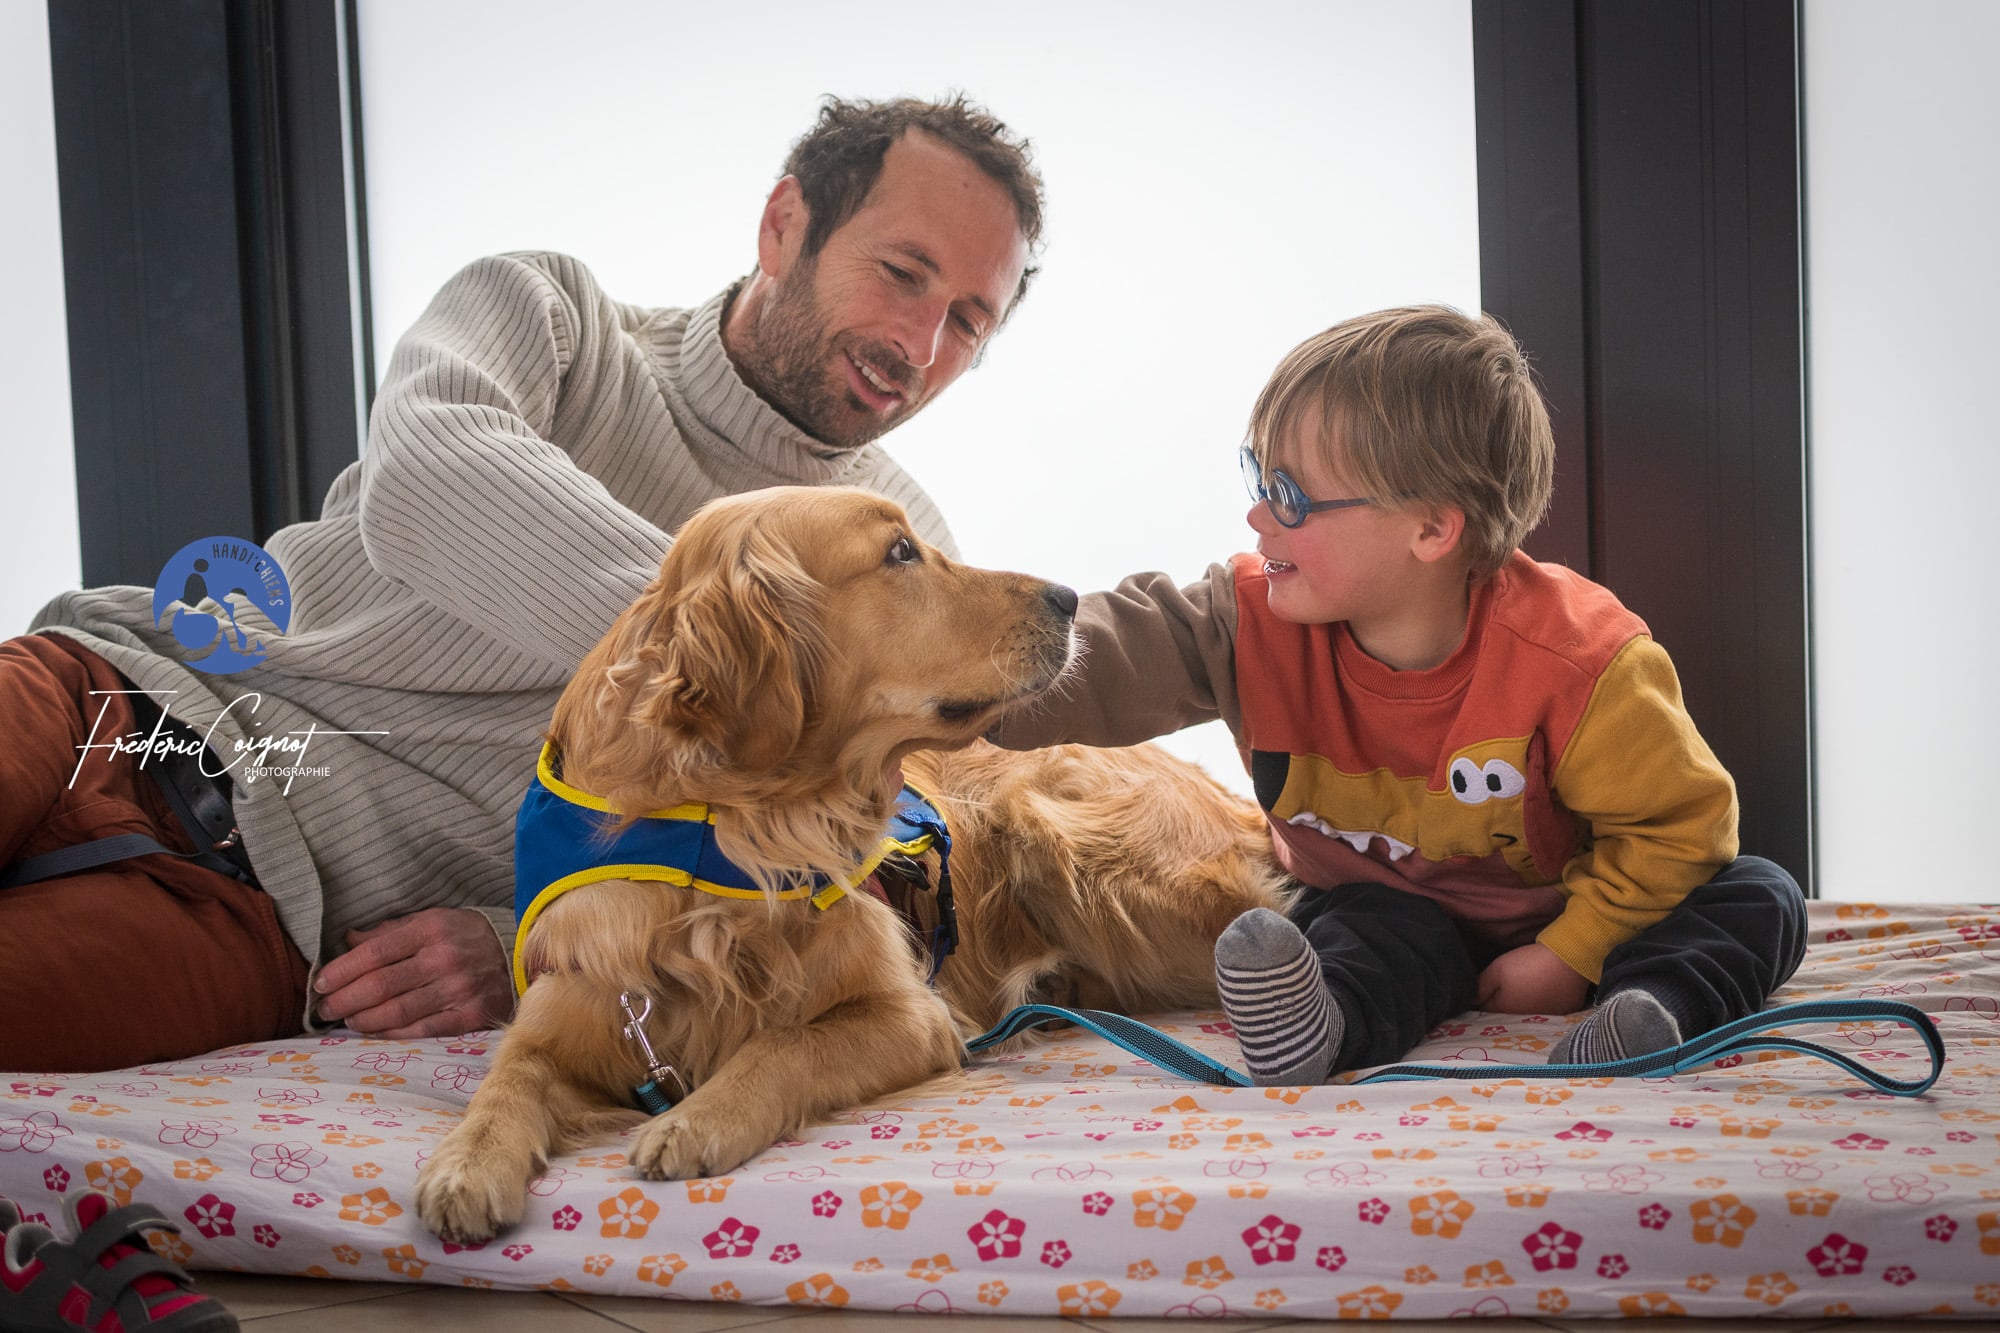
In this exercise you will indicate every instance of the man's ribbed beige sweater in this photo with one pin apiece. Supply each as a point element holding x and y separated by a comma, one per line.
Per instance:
<point>532,445</point>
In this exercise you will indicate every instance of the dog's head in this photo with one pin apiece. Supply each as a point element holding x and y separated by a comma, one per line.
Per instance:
<point>798,642</point>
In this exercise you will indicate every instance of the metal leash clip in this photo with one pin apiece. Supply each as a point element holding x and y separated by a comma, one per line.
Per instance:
<point>652,1097</point>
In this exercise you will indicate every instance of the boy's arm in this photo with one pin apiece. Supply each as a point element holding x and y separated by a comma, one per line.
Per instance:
<point>1661,809</point>
<point>1154,658</point>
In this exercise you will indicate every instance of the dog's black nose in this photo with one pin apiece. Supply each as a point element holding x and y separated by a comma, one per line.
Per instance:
<point>1061,598</point>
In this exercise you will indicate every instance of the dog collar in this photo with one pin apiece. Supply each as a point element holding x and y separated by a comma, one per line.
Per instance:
<point>564,838</point>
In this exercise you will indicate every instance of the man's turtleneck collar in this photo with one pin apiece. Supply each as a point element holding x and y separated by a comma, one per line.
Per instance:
<point>728,416</point>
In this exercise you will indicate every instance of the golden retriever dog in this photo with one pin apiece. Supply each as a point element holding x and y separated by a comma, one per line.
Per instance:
<point>802,655</point>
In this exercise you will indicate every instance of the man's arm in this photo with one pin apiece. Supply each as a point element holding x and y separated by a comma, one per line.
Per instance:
<point>1154,658</point>
<point>464,497</point>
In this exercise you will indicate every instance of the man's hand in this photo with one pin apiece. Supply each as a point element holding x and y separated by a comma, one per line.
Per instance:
<point>434,974</point>
<point>1531,980</point>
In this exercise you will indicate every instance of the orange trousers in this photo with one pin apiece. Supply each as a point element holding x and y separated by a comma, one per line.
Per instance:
<point>147,959</point>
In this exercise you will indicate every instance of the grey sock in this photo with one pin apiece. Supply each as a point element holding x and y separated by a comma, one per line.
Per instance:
<point>1286,1023</point>
<point>1630,1023</point>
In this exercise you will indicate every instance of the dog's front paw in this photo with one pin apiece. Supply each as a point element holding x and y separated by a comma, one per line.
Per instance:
<point>466,1196</point>
<point>691,1141</point>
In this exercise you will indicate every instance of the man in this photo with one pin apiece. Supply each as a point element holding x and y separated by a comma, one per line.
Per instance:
<point>533,444</point>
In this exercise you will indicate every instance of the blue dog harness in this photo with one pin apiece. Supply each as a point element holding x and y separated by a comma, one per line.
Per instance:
<point>564,839</point>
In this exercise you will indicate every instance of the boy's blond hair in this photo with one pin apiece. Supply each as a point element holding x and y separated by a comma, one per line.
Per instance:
<point>1426,406</point>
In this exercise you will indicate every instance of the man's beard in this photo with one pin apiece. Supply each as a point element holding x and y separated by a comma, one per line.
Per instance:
<point>797,367</point>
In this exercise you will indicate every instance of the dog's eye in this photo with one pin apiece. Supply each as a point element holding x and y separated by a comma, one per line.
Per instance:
<point>903,552</point>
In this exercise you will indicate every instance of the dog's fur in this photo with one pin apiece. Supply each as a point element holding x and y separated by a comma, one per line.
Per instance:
<point>799,651</point>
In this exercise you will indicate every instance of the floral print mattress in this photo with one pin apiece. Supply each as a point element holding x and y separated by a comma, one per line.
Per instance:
<point>1074,1179</point>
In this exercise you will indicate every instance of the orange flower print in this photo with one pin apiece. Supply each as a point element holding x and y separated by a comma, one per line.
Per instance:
<point>724,1291</point>
<point>1246,1143</point>
<point>1142,1271</point>
<point>403,1259</point>
<point>992,1293</point>
<point>115,1176</point>
<point>629,1214</point>
<point>347,1254</point>
<point>1208,1274</point>
<point>934,1269</point>
<point>661,1269</point>
<point>1081,1300</point>
<point>1418,1276</point>
<point>169,1245</point>
<point>1551,1300</point>
<point>1492,1273</point>
<point>366,1170</point>
<point>1723,1220</point>
<point>1371,1302</point>
<point>199,1169</point>
<point>371,1209</point>
<point>1270,1299</point>
<point>1165,1208</point>
<point>1649,1305</point>
<point>1811,1202</point>
<point>819,1289</point>
<point>597,1265</point>
<point>1770,1288</point>
<point>889,1205</point>
<point>1442,1214</point>
<point>713,1190</point>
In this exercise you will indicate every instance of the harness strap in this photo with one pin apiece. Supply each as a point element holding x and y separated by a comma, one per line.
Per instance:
<point>1735,1038</point>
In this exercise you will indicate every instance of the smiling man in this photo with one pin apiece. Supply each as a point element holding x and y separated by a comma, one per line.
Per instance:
<point>533,443</point>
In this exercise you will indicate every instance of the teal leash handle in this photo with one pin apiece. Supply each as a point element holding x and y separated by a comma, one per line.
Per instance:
<point>1734,1038</point>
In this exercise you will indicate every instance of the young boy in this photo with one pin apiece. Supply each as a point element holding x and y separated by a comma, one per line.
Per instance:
<point>1479,766</point>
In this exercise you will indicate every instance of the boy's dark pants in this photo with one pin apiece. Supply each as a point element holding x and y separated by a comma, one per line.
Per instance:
<point>1398,966</point>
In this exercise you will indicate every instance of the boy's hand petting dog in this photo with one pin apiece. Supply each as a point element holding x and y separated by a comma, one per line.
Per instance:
<point>1532,980</point>
<point>436,973</point>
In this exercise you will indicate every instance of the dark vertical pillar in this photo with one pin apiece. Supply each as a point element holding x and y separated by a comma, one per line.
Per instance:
<point>1674,315</point>
<point>205,213</point>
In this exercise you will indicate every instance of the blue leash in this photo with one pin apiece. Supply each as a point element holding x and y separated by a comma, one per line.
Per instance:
<point>1737,1038</point>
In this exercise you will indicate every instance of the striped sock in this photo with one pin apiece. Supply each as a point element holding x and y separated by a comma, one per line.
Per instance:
<point>1269,979</point>
<point>1630,1023</point>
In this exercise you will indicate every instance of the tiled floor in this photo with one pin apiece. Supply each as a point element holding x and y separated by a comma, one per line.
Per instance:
<point>304,1305</point>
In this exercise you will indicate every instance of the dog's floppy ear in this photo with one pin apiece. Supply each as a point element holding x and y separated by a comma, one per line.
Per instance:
<point>737,644</point>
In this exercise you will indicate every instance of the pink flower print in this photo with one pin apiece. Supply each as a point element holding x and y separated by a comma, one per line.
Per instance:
<point>884,1131</point>
<point>1372,1211</point>
<point>287,1096</point>
<point>1838,936</point>
<point>212,1217</point>
<point>1683,1122</point>
<point>1900,1275</point>
<point>1940,1228</point>
<point>1147,1126</point>
<point>1904,1187</point>
<point>565,1218</point>
<point>1411,1120</point>
<point>826,1203</point>
<point>307,1199</point>
<point>289,1162</point>
<point>732,1240</point>
<point>1552,1246</point>
<point>784,1254</point>
<point>1585,1131</point>
<point>1960,1136</point>
<point>1654,1217</point>
<point>996,1236</point>
<point>518,1252</point>
<point>1097,1203</point>
<point>266,1235</point>
<point>56,1179</point>
<point>1859,1142</point>
<point>1332,1258</point>
<point>1272,1240</point>
<point>35,1132</point>
<point>35,1089</point>
<point>288,1118</point>
<point>838,1144</point>
<point>456,1077</point>
<point>1613,1266</point>
<point>1056,1253</point>
<point>1837,1256</point>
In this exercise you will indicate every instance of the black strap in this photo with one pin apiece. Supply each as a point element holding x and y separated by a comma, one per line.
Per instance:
<point>201,803</point>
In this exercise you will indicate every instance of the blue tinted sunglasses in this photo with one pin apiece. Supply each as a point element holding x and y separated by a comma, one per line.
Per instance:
<point>1287,503</point>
